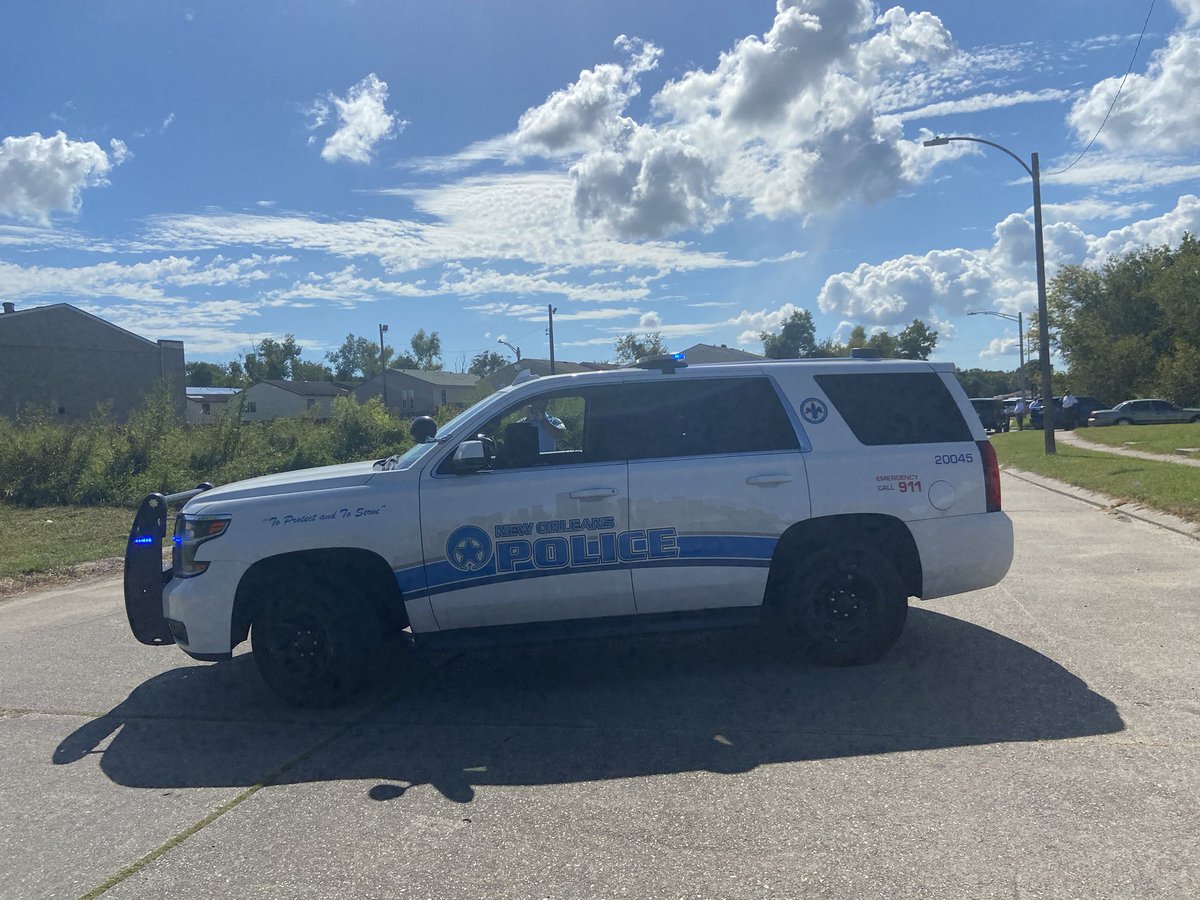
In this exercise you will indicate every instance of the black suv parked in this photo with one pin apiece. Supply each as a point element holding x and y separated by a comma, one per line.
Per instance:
<point>991,413</point>
<point>1084,407</point>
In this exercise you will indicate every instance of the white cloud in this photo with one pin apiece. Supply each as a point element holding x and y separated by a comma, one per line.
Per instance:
<point>517,218</point>
<point>981,102</point>
<point>1157,110</point>
<point>40,176</point>
<point>947,283</point>
<point>363,121</point>
<point>1189,9</point>
<point>155,280</point>
<point>784,124</point>
<point>589,110</point>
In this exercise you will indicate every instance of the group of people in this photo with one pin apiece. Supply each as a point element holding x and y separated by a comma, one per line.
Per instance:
<point>1069,411</point>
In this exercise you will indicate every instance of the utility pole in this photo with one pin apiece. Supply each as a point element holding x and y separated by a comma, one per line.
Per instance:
<point>551,310</point>
<point>383,364</point>
<point>1034,171</point>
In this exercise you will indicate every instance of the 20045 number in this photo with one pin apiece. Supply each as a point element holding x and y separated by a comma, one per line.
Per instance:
<point>949,459</point>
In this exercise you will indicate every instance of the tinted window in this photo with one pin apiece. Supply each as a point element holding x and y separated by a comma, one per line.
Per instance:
<point>898,408</point>
<point>701,416</point>
<point>1163,406</point>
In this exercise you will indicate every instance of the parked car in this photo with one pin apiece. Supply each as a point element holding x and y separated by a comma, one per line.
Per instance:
<point>1084,407</point>
<point>1143,412</point>
<point>991,413</point>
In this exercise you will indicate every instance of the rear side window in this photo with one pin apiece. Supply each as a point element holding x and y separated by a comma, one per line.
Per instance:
<point>702,416</point>
<point>896,408</point>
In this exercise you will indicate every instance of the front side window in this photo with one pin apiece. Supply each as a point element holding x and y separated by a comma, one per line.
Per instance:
<point>549,429</point>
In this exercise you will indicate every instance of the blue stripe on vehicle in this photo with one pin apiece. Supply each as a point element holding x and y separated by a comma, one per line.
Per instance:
<point>695,551</point>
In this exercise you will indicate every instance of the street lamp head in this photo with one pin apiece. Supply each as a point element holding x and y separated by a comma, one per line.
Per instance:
<point>937,142</point>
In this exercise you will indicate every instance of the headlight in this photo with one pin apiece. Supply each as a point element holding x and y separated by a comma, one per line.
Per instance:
<point>190,532</point>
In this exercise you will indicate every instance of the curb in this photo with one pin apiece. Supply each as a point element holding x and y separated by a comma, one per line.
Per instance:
<point>1110,504</point>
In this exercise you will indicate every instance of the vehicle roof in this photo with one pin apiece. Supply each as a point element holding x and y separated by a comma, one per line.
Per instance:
<point>755,367</point>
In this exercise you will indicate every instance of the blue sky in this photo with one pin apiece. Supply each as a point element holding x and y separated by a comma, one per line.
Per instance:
<point>223,172</point>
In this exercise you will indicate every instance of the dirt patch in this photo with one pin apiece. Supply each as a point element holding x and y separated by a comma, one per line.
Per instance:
<point>10,587</point>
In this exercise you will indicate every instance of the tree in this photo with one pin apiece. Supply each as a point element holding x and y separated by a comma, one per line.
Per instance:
<point>631,347</point>
<point>1131,328</point>
<point>273,359</point>
<point>206,374</point>
<point>796,339</point>
<point>487,362</point>
<point>311,371</point>
<point>358,357</point>
<point>916,341</point>
<point>426,350</point>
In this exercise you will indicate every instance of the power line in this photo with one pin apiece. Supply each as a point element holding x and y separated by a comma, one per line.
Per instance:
<point>1114,100</point>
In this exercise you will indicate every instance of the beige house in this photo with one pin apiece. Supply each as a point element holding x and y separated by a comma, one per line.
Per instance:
<point>277,398</point>
<point>68,362</point>
<point>415,392</point>
<point>207,404</point>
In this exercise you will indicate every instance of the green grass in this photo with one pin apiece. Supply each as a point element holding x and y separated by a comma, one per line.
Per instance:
<point>1160,485</point>
<point>1151,438</point>
<point>51,539</point>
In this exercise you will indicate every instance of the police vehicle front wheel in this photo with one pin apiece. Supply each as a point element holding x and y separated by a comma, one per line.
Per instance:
<point>311,643</point>
<point>846,606</point>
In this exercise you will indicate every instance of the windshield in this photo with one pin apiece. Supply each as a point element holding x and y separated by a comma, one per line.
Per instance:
<point>416,452</point>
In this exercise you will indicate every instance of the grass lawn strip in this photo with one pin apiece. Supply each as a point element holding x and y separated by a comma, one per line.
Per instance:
<point>52,539</point>
<point>1165,439</point>
<point>1159,485</point>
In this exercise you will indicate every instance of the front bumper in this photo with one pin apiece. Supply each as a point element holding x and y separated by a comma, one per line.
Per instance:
<point>145,575</point>
<point>203,606</point>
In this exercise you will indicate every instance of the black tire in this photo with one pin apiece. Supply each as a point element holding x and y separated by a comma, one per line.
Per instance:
<point>1123,422</point>
<point>845,606</point>
<point>1193,420</point>
<point>313,645</point>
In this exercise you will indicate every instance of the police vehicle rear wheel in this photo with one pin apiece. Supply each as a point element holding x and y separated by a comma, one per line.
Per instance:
<point>846,606</point>
<point>311,645</point>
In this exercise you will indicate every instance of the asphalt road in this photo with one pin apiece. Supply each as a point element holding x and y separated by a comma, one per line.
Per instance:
<point>1037,739</point>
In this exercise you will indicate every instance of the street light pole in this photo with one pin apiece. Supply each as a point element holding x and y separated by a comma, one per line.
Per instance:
<point>1019,318</point>
<point>383,365</point>
<point>550,311</point>
<point>1043,318</point>
<point>516,350</point>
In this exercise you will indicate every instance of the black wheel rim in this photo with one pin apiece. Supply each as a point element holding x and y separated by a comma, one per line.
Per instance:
<point>845,605</point>
<point>299,643</point>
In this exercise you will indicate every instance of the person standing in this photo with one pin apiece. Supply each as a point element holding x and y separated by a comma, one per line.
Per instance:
<point>549,428</point>
<point>1019,412</point>
<point>1068,407</point>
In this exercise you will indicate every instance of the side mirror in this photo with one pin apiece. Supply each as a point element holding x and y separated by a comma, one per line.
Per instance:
<point>470,456</point>
<point>423,429</point>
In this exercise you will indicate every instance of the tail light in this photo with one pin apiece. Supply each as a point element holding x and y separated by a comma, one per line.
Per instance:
<point>991,474</point>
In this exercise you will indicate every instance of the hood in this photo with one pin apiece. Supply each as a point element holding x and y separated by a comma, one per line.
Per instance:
<point>301,480</point>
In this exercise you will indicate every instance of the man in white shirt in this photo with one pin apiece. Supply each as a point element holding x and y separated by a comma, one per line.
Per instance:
<point>1068,408</point>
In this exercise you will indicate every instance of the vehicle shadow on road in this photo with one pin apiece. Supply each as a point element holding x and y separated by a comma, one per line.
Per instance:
<point>561,713</point>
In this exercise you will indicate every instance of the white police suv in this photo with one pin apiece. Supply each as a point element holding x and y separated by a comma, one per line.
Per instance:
<point>815,495</point>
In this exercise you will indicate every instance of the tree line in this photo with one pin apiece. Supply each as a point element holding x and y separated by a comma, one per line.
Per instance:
<point>1132,327</point>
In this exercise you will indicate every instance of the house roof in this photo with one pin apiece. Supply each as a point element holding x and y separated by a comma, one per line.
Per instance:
<point>304,388</point>
<point>441,379</point>
<point>211,393</point>
<point>67,307</point>
<point>709,353</point>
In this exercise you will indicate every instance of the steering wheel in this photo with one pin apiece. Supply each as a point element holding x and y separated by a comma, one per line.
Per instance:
<point>489,446</point>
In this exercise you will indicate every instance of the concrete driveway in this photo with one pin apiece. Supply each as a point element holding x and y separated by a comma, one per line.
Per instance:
<point>1038,739</point>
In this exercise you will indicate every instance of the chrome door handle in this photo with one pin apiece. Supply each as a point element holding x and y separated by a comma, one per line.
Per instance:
<point>768,480</point>
<point>594,494</point>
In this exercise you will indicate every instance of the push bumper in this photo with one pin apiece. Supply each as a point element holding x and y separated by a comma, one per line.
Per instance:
<point>145,575</point>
